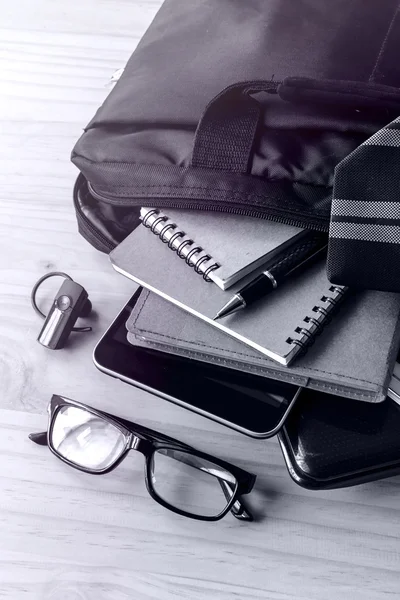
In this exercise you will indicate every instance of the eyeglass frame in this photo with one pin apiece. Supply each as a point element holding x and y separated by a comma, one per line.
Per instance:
<point>147,441</point>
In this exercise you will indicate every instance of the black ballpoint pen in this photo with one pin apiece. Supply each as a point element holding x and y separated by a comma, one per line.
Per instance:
<point>296,257</point>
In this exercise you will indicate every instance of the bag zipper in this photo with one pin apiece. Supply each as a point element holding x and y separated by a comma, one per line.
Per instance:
<point>316,225</point>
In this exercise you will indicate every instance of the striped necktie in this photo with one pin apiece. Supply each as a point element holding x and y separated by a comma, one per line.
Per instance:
<point>364,234</point>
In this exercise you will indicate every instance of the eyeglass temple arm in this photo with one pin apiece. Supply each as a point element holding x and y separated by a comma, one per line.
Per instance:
<point>238,509</point>
<point>39,438</point>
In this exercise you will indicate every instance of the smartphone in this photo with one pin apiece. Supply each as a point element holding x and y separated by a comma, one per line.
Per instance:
<point>254,405</point>
<point>331,442</point>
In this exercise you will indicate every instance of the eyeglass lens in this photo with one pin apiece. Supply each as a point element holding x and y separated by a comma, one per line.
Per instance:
<point>85,439</point>
<point>191,483</point>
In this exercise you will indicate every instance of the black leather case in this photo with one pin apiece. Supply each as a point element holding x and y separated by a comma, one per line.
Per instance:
<point>329,442</point>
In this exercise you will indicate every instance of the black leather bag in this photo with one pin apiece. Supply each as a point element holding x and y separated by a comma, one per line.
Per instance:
<point>243,107</point>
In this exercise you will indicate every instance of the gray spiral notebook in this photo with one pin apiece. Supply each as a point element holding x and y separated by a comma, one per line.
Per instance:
<point>228,247</point>
<point>279,326</point>
<point>355,359</point>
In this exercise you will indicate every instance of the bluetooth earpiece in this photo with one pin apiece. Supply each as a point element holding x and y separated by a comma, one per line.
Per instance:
<point>70,303</point>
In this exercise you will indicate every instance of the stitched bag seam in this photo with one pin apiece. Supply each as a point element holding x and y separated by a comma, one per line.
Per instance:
<point>160,166</point>
<point>383,45</point>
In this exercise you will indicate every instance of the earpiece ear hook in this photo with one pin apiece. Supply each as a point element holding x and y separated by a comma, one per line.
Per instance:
<point>70,303</point>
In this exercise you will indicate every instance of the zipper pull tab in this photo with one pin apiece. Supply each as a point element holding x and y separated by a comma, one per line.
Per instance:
<point>116,76</point>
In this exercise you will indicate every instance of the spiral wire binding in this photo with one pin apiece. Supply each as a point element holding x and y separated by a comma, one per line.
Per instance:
<point>154,224</point>
<point>182,246</point>
<point>164,230</point>
<point>174,237</point>
<point>308,335</point>
<point>147,217</point>
<point>186,249</point>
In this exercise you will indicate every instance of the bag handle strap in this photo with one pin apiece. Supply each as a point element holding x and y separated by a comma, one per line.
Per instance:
<point>226,132</point>
<point>358,95</point>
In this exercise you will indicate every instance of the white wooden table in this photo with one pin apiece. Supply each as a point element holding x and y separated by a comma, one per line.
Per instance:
<point>68,536</point>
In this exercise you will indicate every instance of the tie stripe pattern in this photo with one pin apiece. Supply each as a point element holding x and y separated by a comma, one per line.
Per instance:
<point>365,209</point>
<point>386,234</point>
<point>364,234</point>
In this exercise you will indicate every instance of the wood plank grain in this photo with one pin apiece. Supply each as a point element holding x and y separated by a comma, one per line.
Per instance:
<point>70,533</point>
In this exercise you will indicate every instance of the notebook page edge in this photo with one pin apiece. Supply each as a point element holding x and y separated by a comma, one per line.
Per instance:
<point>282,360</point>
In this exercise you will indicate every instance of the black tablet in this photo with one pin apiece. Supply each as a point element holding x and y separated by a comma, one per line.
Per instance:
<point>254,405</point>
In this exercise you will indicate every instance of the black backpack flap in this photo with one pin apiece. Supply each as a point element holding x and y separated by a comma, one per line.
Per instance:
<point>210,114</point>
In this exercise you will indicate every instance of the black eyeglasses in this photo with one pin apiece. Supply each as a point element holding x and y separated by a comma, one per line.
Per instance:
<point>188,482</point>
